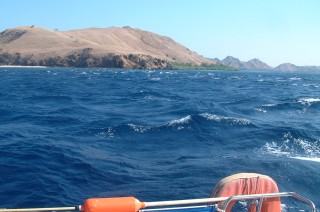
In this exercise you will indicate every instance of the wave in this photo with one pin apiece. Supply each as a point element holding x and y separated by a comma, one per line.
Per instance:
<point>155,79</point>
<point>183,120</point>
<point>188,122</point>
<point>311,85</point>
<point>308,101</point>
<point>300,104</point>
<point>261,110</point>
<point>273,107</point>
<point>291,147</point>
<point>139,129</point>
<point>230,120</point>
<point>295,79</point>
<point>151,95</point>
<point>307,158</point>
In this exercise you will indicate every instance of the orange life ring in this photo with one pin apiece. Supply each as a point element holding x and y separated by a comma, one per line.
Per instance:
<point>248,183</point>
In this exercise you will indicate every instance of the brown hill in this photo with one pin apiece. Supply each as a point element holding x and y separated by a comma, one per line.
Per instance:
<point>254,64</point>
<point>291,67</point>
<point>124,47</point>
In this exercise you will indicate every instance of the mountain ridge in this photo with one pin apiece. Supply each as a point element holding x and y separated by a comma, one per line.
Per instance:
<point>256,64</point>
<point>292,67</point>
<point>113,47</point>
<point>124,47</point>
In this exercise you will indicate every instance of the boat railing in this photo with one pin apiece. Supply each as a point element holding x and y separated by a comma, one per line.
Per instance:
<point>131,204</point>
<point>224,201</point>
<point>262,197</point>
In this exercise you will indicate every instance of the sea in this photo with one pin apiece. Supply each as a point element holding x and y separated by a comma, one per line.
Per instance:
<point>69,134</point>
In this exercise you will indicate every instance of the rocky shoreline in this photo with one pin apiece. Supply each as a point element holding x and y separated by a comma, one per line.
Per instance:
<point>84,59</point>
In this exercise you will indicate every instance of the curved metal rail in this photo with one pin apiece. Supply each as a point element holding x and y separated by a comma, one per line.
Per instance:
<point>193,203</point>
<point>225,201</point>
<point>262,197</point>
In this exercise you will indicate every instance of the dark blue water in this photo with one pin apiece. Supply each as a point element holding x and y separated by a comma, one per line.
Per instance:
<point>70,134</point>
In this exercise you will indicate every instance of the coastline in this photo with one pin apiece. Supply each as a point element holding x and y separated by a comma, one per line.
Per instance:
<point>15,66</point>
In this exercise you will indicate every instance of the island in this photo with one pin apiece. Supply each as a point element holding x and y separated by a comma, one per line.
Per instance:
<point>114,47</point>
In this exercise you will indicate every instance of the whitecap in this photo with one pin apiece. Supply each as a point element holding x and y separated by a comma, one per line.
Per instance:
<point>183,120</point>
<point>293,148</point>
<point>109,134</point>
<point>309,148</point>
<point>307,158</point>
<point>294,78</point>
<point>261,110</point>
<point>269,105</point>
<point>211,117</point>
<point>273,148</point>
<point>308,101</point>
<point>139,129</point>
<point>178,123</point>
<point>235,77</point>
<point>216,118</point>
<point>285,208</point>
<point>155,79</point>
<point>311,85</point>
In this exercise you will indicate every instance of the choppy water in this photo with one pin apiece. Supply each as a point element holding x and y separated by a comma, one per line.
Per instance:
<point>70,134</point>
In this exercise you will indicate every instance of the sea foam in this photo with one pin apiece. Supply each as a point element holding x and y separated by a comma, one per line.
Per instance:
<point>307,159</point>
<point>292,147</point>
<point>308,101</point>
<point>232,120</point>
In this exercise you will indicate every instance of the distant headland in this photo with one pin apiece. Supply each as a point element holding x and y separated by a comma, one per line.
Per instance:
<point>113,47</point>
<point>256,64</point>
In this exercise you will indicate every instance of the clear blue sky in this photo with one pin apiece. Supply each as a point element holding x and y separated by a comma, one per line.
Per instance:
<point>274,31</point>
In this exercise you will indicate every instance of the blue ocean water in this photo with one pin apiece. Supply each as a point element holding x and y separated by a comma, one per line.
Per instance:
<point>70,134</point>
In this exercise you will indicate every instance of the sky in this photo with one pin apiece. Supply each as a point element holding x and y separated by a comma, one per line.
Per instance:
<point>274,31</point>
